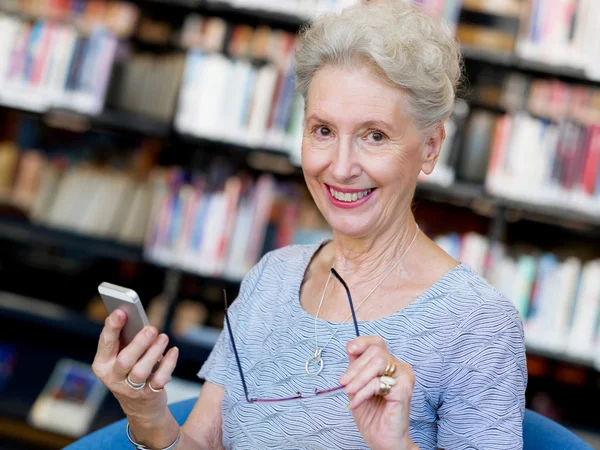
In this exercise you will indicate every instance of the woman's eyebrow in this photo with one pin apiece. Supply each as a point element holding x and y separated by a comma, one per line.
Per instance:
<point>367,123</point>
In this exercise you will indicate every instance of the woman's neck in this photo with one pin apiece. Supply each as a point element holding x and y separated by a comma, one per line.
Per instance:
<point>368,259</point>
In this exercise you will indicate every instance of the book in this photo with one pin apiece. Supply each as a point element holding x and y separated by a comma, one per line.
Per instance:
<point>9,160</point>
<point>70,399</point>
<point>27,181</point>
<point>584,335</point>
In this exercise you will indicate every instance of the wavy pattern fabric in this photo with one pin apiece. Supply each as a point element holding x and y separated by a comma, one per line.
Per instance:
<point>463,339</point>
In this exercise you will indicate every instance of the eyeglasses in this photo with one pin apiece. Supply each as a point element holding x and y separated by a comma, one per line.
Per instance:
<point>299,395</point>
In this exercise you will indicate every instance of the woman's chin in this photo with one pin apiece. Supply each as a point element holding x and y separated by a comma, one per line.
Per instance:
<point>354,230</point>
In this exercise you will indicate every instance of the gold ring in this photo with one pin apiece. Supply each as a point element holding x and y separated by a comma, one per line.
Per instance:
<point>390,369</point>
<point>385,385</point>
<point>155,390</point>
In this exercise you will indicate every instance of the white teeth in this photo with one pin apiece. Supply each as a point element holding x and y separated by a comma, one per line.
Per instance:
<point>348,197</point>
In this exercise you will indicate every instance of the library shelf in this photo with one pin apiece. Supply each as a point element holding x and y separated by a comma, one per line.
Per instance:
<point>488,56</point>
<point>109,120</point>
<point>30,233</point>
<point>131,123</point>
<point>20,431</point>
<point>48,315</point>
<point>512,61</point>
<point>462,194</point>
<point>181,3</point>
<point>274,19</point>
<point>219,145</point>
<point>240,14</point>
<point>566,218</point>
<point>562,357</point>
<point>476,197</point>
<point>193,349</point>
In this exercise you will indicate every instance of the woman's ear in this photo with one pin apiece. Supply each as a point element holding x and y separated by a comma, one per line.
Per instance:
<point>431,150</point>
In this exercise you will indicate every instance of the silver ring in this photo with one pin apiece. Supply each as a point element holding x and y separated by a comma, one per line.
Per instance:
<point>155,390</point>
<point>134,386</point>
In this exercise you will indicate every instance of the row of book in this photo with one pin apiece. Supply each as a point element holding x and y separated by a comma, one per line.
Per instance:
<point>81,197</point>
<point>220,224</point>
<point>119,17</point>
<point>49,64</point>
<point>147,84</point>
<point>213,222</point>
<point>553,164</point>
<point>546,149</point>
<point>558,298</point>
<point>238,102</point>
<point>212,82</point>
<point>303,9</point>
<point>562,32</point>
<point>213,34</point>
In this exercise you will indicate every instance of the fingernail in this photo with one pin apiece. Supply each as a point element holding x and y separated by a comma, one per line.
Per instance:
<point>150,331</point>
<point>352,349</point>
<point>349,406</point>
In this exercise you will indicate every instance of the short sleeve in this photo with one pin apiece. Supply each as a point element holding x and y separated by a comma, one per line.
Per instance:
<point>483,382</point>
<point>217,366</point>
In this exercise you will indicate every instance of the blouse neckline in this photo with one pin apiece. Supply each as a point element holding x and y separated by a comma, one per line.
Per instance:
<point>308,255</point>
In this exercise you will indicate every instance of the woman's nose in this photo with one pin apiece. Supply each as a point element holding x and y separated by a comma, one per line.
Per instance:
<point>345,164</point>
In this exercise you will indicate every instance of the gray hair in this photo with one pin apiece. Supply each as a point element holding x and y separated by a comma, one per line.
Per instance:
<point>405,46</point>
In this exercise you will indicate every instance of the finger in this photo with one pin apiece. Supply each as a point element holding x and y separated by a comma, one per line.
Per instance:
<point>358,365</point>
<point>108,343</point>
<point>133,352</point>
<point>358,346</point>
<point>400,392</point>
<point>142,369</point>
<point>165,370</point>
<point>372,369</point>
<point>368,391</point>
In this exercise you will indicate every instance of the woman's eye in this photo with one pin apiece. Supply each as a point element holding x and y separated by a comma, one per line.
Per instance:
<point>377,136</point>
<point>324,131</point>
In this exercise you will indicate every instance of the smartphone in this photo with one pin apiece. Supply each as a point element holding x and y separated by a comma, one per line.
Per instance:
<point>127,300</point>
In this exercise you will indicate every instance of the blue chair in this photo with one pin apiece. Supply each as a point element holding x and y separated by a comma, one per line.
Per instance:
<point>539,433</point>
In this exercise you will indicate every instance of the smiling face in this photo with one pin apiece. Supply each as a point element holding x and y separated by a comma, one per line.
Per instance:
<point>361,152</point>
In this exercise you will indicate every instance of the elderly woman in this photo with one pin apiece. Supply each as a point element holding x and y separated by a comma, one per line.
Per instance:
<point>375,339</point>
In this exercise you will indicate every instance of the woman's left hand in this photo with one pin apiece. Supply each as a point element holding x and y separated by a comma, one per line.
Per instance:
<point>383,421</point>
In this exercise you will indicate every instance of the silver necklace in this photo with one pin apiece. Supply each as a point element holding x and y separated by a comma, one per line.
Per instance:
<point>316,360</point>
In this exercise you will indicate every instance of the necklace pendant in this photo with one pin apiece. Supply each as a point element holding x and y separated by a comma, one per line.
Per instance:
<point>314,364</point>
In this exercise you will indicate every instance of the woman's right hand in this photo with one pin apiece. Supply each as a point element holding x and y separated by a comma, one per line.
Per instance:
<point>137,360</point>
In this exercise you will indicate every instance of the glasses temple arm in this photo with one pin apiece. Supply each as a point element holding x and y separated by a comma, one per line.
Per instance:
<point>337,275</point>
<point>237,358</point>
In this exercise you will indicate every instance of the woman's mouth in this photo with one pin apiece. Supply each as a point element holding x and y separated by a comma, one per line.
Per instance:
<point>348,198</point>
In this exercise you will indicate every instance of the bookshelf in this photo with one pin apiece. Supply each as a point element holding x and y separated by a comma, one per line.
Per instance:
<point>472,195</point>
<point>500,212</point>
<point>511,61</point>
<point>29,233</point>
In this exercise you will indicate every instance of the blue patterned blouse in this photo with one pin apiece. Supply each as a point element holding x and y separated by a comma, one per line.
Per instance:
<point>463,339</point>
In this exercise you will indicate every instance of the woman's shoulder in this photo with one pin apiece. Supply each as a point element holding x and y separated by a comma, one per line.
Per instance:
<point>481,316</point>
<point>298,253</point>
<point>467,294</point>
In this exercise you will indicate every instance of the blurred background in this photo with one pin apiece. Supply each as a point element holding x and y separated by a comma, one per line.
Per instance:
<point>155,145</point>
